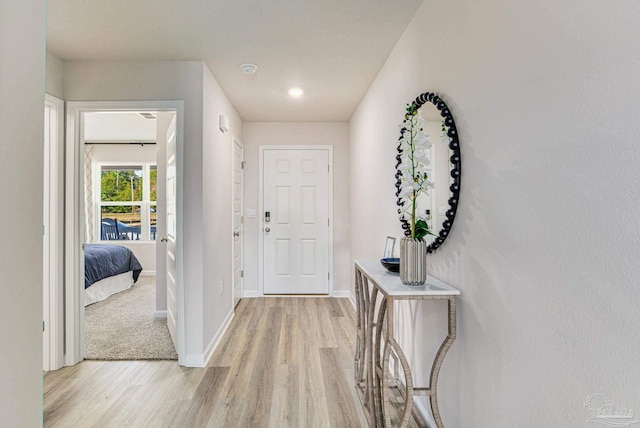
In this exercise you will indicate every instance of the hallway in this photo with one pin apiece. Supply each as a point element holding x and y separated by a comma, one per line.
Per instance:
<point>284,362</point>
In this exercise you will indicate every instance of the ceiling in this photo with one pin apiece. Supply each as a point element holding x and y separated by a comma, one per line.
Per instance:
<point>332,49</point>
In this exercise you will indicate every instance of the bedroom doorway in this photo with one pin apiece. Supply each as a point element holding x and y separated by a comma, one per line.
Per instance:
<point>122,200</point>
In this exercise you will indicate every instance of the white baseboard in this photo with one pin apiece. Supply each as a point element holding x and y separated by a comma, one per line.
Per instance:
<point>202,360</point>
<point>213,345</point>
<point>250,294</point>
<point>193,360</point>
<point>160,314</point>
<point>425,412</point>
<point>352,299</point>
<point>340,294</point>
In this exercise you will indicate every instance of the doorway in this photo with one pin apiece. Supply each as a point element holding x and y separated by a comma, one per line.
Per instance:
<point>296,219</point>
<point>77,224</point>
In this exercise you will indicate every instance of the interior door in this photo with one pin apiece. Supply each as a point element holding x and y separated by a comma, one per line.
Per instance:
<point>53,214</point>
<point>295,221</point>
<point>172,307</point>
<point>238,274</point>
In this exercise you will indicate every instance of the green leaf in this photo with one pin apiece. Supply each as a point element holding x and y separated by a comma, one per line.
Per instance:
<point>422,229</point>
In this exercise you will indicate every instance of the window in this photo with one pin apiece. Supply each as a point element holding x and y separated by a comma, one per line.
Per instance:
<point>127,202</point>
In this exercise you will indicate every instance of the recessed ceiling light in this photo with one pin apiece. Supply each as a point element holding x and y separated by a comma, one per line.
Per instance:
<point>248,68</point>
<point>296,92</point>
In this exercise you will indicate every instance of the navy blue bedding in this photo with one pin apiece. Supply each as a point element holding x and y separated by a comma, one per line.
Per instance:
<point>102,261</point>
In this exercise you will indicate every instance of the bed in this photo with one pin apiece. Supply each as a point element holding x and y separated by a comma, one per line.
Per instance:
<point>108,269</point>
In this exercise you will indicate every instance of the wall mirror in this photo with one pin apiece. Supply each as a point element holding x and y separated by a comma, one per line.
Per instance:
<point>438,206</point>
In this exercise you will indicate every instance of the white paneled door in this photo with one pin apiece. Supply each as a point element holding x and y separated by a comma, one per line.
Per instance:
<point>172,306</point>
<point>295,221</point>
<point>238,156</point>
<point>53,236</point>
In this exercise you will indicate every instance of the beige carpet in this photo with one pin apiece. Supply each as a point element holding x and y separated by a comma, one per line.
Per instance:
<point>123,326</point>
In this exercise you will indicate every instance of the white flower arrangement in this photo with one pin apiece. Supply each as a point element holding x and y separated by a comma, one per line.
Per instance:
<point>415,169</point>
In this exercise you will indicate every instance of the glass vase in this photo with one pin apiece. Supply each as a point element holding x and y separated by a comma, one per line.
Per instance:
<point>413,261</point>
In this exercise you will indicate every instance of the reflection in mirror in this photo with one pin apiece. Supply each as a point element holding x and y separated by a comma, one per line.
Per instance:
<point>438,206</point>
<point>433,205</point>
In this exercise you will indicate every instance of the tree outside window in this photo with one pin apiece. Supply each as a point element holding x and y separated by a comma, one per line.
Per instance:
<point>128,202</point>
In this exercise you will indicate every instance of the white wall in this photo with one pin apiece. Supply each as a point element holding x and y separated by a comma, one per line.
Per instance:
<point>145,251</point>
<point>54,76</point>
<point>544,246</point>
<point>335,134</point>
<point>22,69</point>
<point>217,186</point>
<point>120,126</point>
<point>162,80</point>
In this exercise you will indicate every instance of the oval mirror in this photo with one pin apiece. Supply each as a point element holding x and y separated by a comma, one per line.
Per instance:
<point>438,206</point>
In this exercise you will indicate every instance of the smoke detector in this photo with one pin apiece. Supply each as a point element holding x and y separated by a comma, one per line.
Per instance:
<point>248,68</point>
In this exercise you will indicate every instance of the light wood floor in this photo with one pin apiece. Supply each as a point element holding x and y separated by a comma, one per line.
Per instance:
<point>284,362</point>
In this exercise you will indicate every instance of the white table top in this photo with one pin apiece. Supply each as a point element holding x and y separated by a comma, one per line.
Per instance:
<point>390,283</point>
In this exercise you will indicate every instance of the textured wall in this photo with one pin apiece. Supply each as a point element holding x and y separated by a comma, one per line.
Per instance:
<point>544,247</point>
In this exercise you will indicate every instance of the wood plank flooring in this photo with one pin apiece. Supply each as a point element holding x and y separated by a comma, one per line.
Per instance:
<point>284,362</point>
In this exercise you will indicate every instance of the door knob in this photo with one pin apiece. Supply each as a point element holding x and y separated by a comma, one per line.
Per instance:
<point>164,239</point>
<point>236,233</point>
<point>267,229</point>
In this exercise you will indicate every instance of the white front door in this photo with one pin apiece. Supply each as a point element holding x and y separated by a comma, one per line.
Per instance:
<point>172,307</point>
<point>238,156</point>
<point>295,221</point>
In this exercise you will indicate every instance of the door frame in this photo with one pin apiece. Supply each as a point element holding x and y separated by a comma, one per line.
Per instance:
<point>261,224</point>
<point>75,221</point>
<point>53,250</point>
<point>234,141</point>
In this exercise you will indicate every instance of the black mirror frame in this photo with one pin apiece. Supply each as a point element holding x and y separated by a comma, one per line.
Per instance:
<point>454,146</point>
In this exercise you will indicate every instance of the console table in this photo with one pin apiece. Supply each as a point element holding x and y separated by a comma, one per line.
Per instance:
<point>376,344</point>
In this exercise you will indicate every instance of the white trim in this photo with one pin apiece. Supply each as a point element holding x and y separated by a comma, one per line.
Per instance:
<point>160,314</point>
<point>255,294</point>
<point>352,299</point>
<point>341,294</point>
<point>148,273</point>
<point>74,218</point>
<point>424,411</point>
<point>145,204</point>
<point>202,360</point>
<point>215,341</point>
<point>53,238</point>
<point>261,225</point>
<point>74,233</point>
<point>193,360</point>
<point>251,294</point>
<point>234,141</point>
